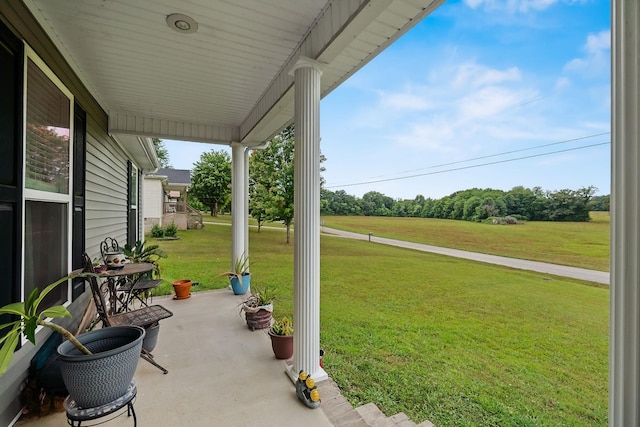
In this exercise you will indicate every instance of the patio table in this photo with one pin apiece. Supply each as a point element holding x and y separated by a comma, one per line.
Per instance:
<point>126,285</point>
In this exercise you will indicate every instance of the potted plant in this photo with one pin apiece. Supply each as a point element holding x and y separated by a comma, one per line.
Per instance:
<point>281,334</point>
<point>150,254</point>
<point>97,366</point>
<point>98,266</point>
<point>240,278</point>
<point>258,308</point>
<point>182,288</point>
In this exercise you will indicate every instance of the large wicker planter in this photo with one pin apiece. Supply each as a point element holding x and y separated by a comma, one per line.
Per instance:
<point>102,377</point>
<point>258,317</point>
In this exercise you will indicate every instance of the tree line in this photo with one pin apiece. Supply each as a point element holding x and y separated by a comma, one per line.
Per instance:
<point>473,205</point>
<point>271,174</point>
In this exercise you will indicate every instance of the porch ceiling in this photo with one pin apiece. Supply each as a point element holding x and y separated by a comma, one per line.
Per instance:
<point>229,80</point>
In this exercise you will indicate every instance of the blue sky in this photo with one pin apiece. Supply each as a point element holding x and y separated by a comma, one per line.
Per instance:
<point>470,89</point>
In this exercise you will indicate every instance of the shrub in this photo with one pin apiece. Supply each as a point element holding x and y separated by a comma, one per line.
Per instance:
<point>171,230</point>
<point>157,231</point>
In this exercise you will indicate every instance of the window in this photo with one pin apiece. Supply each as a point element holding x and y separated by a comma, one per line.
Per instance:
<point>132,214</point>
<point>47,180</point>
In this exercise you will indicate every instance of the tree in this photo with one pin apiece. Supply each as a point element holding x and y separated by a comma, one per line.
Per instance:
<point>569,205</point>
<point>338,203</point>
<point>271,178</point>
<point>161,152</point>
<point>211,180</point>
<point>257,198</point>
<point>377,204</point>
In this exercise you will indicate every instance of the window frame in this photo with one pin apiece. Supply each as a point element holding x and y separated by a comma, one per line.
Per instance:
<point>29,194</point>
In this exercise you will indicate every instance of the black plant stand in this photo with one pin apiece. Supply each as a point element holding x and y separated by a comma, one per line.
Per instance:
<point>76,415</point>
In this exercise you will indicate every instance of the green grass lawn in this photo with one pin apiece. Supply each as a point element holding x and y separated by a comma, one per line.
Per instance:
<point>453,341</point>
<point>577,244</point>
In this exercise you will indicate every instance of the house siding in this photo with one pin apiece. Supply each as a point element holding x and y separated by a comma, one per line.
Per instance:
<point>106,189</point>
<point>152,203</point>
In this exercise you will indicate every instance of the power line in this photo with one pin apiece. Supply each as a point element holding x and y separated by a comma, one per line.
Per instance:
<point>521,150</point>
<point>499,154</point>
<point>468,167</point>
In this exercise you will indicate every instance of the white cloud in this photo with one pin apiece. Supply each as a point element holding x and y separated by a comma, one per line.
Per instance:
<point>598,43</point>
<point>405,101</point>
<point>512,6</point>
<point>596,59</point>
<point>487,102</point>
<point>474,75</point>
<point>562,83</point>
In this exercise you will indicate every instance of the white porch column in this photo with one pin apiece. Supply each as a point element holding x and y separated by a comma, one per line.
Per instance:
<point>306,262</point>
<point>624,347</point>
<point>238,197</point>
<point>245,224</point>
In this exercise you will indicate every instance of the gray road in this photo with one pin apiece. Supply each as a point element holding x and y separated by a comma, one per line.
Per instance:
<point>541,267</point>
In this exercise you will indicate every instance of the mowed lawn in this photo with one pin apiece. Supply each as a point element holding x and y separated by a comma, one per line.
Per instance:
<point>456,342</point>
<point>576,244</point>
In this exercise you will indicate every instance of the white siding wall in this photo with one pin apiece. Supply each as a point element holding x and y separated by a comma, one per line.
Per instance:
<point>152,202</point>
<point>106,190</point>
<point>153,198</point>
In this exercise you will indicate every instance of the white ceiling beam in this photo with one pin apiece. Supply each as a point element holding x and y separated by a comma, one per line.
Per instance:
<point>121,123</point>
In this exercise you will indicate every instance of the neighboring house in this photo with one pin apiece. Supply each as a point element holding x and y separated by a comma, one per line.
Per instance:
<point>165,199</point>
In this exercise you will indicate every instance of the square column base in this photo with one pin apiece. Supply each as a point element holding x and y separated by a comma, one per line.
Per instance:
<point>318,376</point>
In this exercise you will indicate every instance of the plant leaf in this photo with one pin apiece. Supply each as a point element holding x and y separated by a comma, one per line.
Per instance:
<point>30,300</point>
<point>16,308</point>
<point>46,290</point>
<point>56,311</point>
<point>7,350</point>
<point>30,326</point>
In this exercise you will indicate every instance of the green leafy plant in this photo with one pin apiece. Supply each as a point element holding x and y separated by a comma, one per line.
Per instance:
<point>29,320</point>
<point>157,231</point>
<point>282,326</point>
<point>150,254</point>
<point>240,268</point>
<point>171,230</point>
<point>261,296</point>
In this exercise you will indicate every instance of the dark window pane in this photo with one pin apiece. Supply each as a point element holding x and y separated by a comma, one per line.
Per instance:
<point>45,257</point>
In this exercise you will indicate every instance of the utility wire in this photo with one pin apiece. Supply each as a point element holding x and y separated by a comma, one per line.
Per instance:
<point>499,154</point>
<point>468,167</point>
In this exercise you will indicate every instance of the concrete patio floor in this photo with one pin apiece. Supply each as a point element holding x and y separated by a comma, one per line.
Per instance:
<point>220,373</point>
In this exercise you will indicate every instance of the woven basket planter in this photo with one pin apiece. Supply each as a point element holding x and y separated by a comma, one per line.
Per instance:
<point>102,377</point>
<point>258,317</point>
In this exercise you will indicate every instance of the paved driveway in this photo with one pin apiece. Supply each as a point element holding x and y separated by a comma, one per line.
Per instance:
<point>541,267</point>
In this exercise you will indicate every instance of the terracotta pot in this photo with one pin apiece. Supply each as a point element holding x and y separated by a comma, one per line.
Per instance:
<point>182,288</point>
<point>282,345</point>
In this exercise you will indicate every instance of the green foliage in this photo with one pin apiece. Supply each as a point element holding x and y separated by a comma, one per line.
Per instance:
<point>211,179</point>
<point>29,318</point>
<point>157,231</point>
<point>171,230</point>
<point>261,296</point>
<point>271,180</point>
<point>240,268</point>
<point>150,254</point>
<point>161,152</point>
<point>472,205</point>
<point>282,326</point>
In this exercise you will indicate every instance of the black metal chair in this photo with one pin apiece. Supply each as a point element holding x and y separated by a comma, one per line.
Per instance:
<point>144,317</point>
